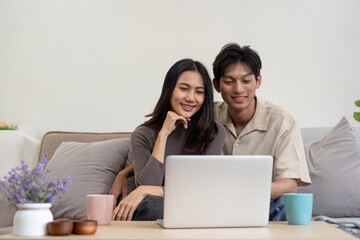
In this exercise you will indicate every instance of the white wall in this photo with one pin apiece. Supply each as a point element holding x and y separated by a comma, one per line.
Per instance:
<point>98,65</point>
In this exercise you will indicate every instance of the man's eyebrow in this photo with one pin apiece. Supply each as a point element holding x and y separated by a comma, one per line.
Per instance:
<point>248,74</point>
<point>243,76</point>
<point>227,76</point>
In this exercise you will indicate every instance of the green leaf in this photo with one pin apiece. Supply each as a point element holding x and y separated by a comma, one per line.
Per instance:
<point>357,116</point>
<point>357,103</point>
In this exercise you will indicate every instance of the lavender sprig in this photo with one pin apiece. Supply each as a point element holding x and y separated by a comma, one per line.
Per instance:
<point>23,185</point>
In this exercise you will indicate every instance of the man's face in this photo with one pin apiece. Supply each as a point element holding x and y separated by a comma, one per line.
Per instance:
<point>237,87</point>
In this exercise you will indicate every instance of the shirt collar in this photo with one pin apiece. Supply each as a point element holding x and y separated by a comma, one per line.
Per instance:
<point>257,122</point>
<point>224,115</point>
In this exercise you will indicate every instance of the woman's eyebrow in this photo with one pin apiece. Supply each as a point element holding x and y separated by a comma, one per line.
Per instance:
<point>188,85</point>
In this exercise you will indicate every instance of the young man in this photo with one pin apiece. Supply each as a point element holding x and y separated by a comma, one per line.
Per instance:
<point>253,126</point>
<point>257,127</point>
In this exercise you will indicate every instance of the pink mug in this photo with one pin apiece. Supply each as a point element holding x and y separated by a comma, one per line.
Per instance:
<point>99,207</point>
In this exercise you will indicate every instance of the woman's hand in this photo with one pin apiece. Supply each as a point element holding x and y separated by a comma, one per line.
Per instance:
<point>172,120</point>
<point>126,208</point>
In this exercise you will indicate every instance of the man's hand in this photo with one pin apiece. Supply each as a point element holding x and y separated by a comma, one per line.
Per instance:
<point>120,184</point>
<point>281,186</point>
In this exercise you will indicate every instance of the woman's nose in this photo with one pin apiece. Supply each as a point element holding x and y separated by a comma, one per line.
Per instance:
<point>190,96</point>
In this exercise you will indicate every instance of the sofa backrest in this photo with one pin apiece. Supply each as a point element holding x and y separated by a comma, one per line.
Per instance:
<point>52,140</point>
<point>312,134</point>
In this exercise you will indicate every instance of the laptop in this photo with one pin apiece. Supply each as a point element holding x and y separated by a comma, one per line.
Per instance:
<point>217,191</point>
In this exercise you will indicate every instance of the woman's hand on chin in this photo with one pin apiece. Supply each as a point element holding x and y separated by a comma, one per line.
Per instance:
<point>172,120</point>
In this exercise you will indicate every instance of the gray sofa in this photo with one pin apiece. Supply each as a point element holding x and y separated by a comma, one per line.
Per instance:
<point>74,153</point>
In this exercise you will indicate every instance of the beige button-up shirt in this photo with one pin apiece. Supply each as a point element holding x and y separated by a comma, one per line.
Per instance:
<point>272,131</point>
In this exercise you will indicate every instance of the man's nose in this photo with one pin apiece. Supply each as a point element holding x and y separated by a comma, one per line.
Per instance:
<point>238,87</point>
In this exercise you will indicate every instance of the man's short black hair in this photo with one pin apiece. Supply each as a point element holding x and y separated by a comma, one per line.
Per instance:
<point>233,53</point>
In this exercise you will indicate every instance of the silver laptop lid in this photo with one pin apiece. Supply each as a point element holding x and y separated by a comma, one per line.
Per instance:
<point>217,191</point>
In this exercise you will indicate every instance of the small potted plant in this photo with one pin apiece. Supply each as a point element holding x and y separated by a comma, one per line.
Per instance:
<point>33,193</point>
<point>5,126</point>
<point>357,114</point>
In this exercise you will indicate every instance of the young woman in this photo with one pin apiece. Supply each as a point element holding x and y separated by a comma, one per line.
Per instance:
<point>181,123</point>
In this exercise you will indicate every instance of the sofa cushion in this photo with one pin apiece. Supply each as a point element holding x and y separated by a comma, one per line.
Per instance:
<point>7,211</point>
<point>92,167</point>
<point>334,166</point>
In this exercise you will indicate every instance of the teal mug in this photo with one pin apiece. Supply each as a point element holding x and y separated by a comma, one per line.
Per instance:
<point>298,208</point>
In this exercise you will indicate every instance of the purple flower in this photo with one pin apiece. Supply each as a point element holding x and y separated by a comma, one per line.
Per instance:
<point>32,186</point>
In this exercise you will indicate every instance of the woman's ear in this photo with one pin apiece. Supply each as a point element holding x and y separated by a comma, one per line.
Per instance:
<point>216,85</point>
<point>258,81</point>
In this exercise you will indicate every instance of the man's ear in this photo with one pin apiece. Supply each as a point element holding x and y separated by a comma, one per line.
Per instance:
<point>216,85</point>
<point>258,82</point>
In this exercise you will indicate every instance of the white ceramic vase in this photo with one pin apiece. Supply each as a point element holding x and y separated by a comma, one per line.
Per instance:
<point>31,219</point>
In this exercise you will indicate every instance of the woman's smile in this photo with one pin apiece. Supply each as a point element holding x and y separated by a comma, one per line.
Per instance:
<point>187,107</point>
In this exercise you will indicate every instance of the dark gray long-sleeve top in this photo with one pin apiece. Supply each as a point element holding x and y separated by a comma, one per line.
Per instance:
<point>150,171</point>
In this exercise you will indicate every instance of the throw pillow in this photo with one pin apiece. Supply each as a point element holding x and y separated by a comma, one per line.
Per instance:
<point>92,167</point>
<point>334,166</point>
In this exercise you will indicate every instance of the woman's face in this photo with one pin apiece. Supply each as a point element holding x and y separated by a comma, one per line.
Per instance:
<point>188,94</point>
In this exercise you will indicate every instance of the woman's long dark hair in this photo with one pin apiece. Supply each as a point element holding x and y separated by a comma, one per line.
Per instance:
<point>202,128</point>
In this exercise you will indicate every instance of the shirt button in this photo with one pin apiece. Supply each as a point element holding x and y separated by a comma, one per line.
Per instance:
<point>236,145</point>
